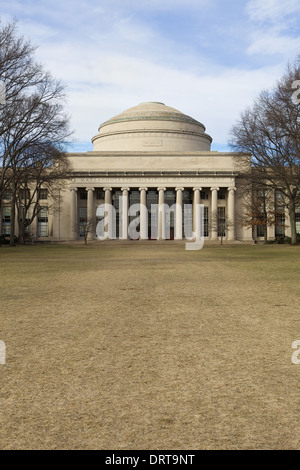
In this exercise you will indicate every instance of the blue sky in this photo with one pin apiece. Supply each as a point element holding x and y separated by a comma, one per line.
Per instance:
<point>207,58</point>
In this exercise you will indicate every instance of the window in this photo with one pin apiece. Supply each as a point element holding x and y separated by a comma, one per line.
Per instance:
<point>6,220</point>
<point>82,220</point>
<point>100,195</point>
<point>134,198</point>
<point>187,219</point>
<point>43,222</point>
<point>116,195</point>
<point>221,222</point>
<point>279,199</point>
<point>83,195</point>
<point>280,223</point>
<point>279,215</point>
<point>204,195</point>
<point>43,194</point>
<point>206,222</point>
<point>25,194</point>
<point>152,198</point>
<point>222,194</point>
<point>260,231</point>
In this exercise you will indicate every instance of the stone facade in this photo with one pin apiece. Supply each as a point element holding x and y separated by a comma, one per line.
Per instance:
<point>149,154</point>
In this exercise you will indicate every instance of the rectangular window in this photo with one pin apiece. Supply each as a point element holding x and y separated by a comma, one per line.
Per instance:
<point>152,199</point>
<point>6,214</point>
<point>280,214</point>
<point>82,220</point>
<point>204,195</point>
<point>206,222</point>
<point>280,222</point>
<point>100,194</point>
<point>221,194</point>
<point>83,195</point>
<point>279,199</point>
<point>43,222</point>
<point>221,222</point>
<point>25,194</point>
<point>43,194</point>
<point>260,230</point>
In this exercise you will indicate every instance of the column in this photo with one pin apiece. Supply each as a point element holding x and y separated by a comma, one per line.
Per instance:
<point>143,214</point>
<point>108,229</point>
<point>214,213</point>
<point>196,201</point>
<point>178,227</point>
<point>287,222</point>
<point>231,210</point>
<point>73,214</point>
<point>17,214</point>
<point>161,213</point>
<point>125,206</point>
<point>90,220</point>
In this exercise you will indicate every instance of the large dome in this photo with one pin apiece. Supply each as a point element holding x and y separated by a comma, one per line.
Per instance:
<point>152,127</point>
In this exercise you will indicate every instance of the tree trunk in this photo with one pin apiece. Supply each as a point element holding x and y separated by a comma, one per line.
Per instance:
<point>292,210</point>
<point>21,233</point>
<point>265,233</point>
<point>266,223</point>
<point>12,220</point>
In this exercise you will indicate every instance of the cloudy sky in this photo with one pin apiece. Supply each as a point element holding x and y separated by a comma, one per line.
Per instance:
<point>207,58</point>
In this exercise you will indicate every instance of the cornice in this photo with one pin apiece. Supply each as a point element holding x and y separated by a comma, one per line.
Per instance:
<point>138,174</point>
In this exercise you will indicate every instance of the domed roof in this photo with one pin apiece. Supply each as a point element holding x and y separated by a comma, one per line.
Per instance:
<point>151,125</point>
<point>152,110</point>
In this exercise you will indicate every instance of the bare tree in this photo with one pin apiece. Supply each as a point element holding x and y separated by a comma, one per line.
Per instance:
<point>47,176</point>
<point>220,223</point>
<point>270,132</point>
<point>34,128</point>
<point>85,227</point>
<point>258,207</point>
<point>18,72</point>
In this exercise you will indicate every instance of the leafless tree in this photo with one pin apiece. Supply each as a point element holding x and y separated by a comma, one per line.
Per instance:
<point>270,132</point>
<point>258,206</point>
<point>46,177</point>
<point>220,223</point>
<point>34,128</point>
<point>85,227</point>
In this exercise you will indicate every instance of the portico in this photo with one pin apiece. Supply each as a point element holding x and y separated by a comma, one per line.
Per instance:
<point>150,164</point>
<point>88,192</point>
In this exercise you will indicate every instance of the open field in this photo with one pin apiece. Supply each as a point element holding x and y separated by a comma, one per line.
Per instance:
<point>149,346</point>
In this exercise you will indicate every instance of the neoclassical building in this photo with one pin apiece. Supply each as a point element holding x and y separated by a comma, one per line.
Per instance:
<point>151,154</point>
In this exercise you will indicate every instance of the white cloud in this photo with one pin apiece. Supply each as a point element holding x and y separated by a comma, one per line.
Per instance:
<point>274,27</point>
<point>271,10</point>
<point>216,99</point>
<point>114,54</point>
<point>274,43</point>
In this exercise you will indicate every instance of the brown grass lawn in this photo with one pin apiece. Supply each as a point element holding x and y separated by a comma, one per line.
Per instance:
<point>149,346</point>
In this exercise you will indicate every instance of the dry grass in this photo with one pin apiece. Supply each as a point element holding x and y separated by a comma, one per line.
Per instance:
<point>148,346</point>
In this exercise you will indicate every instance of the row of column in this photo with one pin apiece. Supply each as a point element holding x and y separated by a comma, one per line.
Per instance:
<point>143,211</point>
